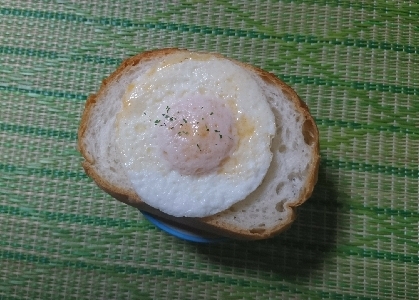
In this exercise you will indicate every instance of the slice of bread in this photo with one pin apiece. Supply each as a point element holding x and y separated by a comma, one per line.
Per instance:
<point>267,211</point>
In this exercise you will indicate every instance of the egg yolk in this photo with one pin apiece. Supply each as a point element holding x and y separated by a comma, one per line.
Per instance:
<point>196,135</point>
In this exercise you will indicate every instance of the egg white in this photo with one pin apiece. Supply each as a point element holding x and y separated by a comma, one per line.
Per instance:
<point>166,83</point>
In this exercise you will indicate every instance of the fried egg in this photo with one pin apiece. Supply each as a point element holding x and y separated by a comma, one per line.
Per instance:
<point>194,132</point>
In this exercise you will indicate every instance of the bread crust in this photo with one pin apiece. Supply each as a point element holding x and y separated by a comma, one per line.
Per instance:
<point>213,223</point>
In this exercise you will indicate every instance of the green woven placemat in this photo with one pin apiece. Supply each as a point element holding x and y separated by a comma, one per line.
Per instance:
<point>355,63</point>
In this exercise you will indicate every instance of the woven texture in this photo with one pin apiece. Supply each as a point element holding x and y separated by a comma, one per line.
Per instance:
<point>356,65</point>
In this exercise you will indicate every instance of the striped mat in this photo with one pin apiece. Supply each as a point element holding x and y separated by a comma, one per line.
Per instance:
<point>355,63</point>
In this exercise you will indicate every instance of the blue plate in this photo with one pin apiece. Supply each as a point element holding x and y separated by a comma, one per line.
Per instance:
<point>183,232</point>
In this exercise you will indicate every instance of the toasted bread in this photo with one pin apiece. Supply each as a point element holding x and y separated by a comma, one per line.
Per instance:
<point>265,212</point>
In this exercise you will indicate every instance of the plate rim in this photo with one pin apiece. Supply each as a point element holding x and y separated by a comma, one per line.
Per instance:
<point>182,234</point>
